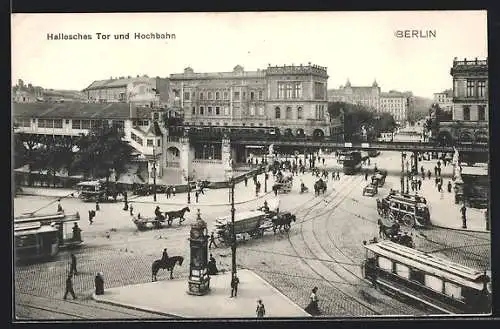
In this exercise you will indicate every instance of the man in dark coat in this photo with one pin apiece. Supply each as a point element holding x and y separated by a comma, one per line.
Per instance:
<point>463,210</point>
<point>59,207</point>
<point>69,287</point>
<point>77,236</point>
<point>235,281</point>
<point>164,256</point>
<point>99,284</point>
<point>212,241</point>
<point>449,187</point>
<point>73,265</point>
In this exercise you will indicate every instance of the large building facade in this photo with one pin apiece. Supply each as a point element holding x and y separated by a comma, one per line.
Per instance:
<point>444,99</point>
<point>291,98</point>
<point>141,90</point>
<point>470,103</point>
<point>368,96</point>
<point>397,104</point>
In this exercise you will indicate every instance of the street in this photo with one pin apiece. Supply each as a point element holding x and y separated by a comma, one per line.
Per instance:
<point>323,248</point>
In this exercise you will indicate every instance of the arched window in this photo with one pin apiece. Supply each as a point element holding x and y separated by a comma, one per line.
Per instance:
<point>217,95</point>
<point>277,111</point>
<point>288,112</point>
<point>299,113</point>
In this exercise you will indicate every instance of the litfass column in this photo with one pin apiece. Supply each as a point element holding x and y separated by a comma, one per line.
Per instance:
<point>199,280</point>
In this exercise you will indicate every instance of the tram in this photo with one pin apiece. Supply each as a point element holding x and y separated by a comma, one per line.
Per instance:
<point>35,241</point>
<point>426,280</point>
<point>351,162</point>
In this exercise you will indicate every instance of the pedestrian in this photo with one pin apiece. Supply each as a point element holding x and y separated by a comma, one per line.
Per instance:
<point>77,236</point>
<point>59,207</point>
<point>212,241</point>
<point>131,208</point>
<point>169,190</point>
<point>125,205</point>
<point>436,181</point>
<point>125,196</point>
<point>173,190</point>
<point>323,160</point>
<point>69,287</point>
<point>487,219</point>
<point>261,310</point>
<point>313,308</point>
<point>449,186</point>
<point>97,205</point>
<point>99,284</point>
<point>72,269</point>
<point>338,175</point>
<point>246,181</point>
<point>234,286</point>
<point>196,194</point>
<point>91,216</point>
<point>435,170</point>
<point>428,174</point>
<point>440,185</point>
<point>463,210</point>
<point>366,175</point>
<point>419,184</point>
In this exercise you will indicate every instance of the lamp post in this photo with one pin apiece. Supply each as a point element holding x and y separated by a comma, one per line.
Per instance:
<point>188,178</point>
<point>233,234</point>
<point>154,174</point>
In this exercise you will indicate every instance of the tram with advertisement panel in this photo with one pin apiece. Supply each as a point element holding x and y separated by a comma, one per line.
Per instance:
<point>427,280</point>
<point>408,210</point>
<point>33,241</point>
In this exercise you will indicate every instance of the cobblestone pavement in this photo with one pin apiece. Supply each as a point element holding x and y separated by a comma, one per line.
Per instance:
<point>323,249</point>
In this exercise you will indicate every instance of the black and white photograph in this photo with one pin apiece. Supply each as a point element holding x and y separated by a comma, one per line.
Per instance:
<point>245,165</point>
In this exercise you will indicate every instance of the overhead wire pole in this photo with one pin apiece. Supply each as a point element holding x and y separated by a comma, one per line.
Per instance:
<point>233,234</point>
<point>154,174</point>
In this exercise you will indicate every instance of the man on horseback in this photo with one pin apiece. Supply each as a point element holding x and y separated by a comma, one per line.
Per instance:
<point>164,256</point>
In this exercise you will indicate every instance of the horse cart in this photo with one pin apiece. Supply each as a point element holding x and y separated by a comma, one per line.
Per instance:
<point>248,222</point>
<point>93,191</point>
<point>379,178</point>
<point>160,219</point>
<point>370,189</point>
<point>283,183</point>
<point>407,210</point>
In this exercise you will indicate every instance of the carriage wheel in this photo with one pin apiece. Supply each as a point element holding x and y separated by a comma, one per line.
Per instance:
<point>408,221</point>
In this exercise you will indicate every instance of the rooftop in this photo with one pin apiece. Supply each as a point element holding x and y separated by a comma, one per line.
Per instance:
<point>117,82</point>
<point>117,111</point>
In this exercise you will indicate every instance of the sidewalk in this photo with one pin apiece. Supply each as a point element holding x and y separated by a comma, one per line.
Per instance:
<point>169,297</point>
<point>49,192</point>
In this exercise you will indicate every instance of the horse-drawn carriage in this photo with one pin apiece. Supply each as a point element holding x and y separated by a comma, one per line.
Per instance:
<point>158,221</point>
<point>283,183</point>
<point>379,178</point>
<point>320,187</point>
<point>370,189</point>
<point>97,190</point>
<point>409,211</point>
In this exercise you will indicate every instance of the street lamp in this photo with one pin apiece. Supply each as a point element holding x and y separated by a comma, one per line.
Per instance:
<point>154,173</point>
<point>233,234</point>
<point>188,178</point>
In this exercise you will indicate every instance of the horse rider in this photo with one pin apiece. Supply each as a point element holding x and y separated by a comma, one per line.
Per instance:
<point>265,208</point>
<point>164,256</point>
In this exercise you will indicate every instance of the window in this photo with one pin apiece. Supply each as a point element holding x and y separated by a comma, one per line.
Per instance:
<point>261,110</point>
<point>226,110</point>
<point>288,91</point>
<point>288,114</point>
<point>252,110</point>
<point>217,110</point>
<point>67,121</point>
<point>385,264</point>
<point>261,95</point>
<point>402,271</point>
<point>481,113</point>
<point>252,96</point>
<point>193,111</point>
<point>299,113</point>
<point>186,96</point>
<point>481,88</point>
<point>453,290</point>
<point>210,95</point>
<point>466,113</point>
<point>156,116</point>
<point>58,123</point>
<point>76,124</point>
<point>193,95</point>
<point>201,95</point>
<point>434,283</point>
<point>202,110</point>
<point>244,96</point>
<point>150,142</point>
<point>209,110</point>
<point>417,276</point>
<point>237,95</point>
<point>297,90</point>
<point>281,90</point>
<point>319,90</point>
<point>277,112</point>
<point>470,88</point>
<point>217,95</point>
<point>85,124</point>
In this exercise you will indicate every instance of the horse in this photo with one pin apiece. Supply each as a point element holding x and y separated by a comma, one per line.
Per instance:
<point>284,221</point>
<point>169,265</point>
<point>319,186</point>
<point>171,215</point>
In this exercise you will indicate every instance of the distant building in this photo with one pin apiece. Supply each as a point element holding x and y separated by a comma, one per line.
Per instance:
<point>140,90</point>
<point>444,100</point>
<point>368,96</point>
<point>397,104</point>
<point>470,103</point>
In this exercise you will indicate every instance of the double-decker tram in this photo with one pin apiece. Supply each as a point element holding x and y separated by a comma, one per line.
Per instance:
<point>351,162</point>
<point>427,280</point>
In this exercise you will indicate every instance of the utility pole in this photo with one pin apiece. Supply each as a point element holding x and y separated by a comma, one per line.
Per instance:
<point>233,234</point>
<point>154,174</point>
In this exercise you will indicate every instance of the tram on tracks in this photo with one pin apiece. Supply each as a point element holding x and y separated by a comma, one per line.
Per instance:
<point>426,280</point>
<point>34,241</point>
<point>351,162</point>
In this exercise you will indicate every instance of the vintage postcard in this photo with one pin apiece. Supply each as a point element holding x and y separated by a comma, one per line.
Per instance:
<point>259,164</point>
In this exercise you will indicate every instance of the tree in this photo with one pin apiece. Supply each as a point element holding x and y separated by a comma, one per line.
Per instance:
<point>102,151</point>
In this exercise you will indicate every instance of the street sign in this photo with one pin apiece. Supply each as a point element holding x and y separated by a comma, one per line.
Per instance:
<point>365,145</point>
<point>347,144</point>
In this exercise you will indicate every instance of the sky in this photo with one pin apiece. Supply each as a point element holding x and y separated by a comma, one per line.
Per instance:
<point>359,46</point>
